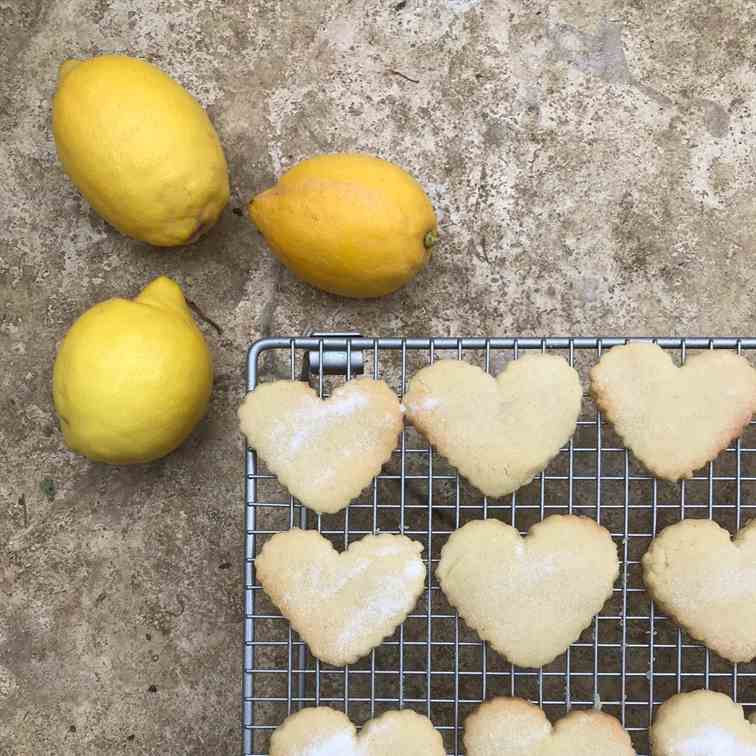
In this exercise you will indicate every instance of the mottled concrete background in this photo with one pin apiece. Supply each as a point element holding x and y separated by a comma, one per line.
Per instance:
<point>592,163</point>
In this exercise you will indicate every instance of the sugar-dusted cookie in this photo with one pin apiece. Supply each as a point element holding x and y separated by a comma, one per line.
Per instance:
<point>530,597</point>
<point>513,727</point>
<point>498,432</point>
<point>342,604</point>
<point>674,419</point>
<point>324,452</point>
<point>702,723</point>
<point>326,732</point>
<point>707,583</point>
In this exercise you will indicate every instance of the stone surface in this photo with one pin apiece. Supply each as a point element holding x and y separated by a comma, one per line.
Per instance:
<point>592,163</point>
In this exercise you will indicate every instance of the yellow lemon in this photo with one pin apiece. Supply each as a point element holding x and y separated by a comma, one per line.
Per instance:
<point>351,224</point>
<point>132,377</point>
<point>140,148</point>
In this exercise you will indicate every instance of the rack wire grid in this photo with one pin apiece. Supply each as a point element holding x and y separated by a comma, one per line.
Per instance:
<point>631,659</point>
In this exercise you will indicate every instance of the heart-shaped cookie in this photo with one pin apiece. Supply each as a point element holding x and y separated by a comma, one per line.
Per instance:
<point>707,583</point>
<point>326,732</point>
<point>324,452</point>
<point>342,605</point>
<point>498,432</point>
<point>702,723</point>
<point>513,727</point>
<point>530,597</point>
<point>674,419</point>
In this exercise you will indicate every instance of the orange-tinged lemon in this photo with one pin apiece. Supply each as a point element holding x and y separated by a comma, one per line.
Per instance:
<point>351,224</point>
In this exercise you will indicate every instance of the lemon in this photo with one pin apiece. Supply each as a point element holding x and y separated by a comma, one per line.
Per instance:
<point>132,377</point>
<point>351,224</point>
<point>140,148</point>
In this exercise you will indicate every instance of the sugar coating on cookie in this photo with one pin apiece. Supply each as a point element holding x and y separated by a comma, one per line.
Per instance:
<point>326,732</point>
<point>498,432</point>
<point>674,419</point>
<point>513,727</point>
<point>706,581</point>
<point>702,723</point>
<point>324,451</point>
<point>529,597</point>
<point>342,604</point>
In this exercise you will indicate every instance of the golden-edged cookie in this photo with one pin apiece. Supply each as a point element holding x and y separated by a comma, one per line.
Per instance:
<point>706,581</point>
<point>513,727</point>
<point>702,723</point>
<point>342,604</point>
<point>324,451</point>
<point>498,432</point>
<point>674,419</point>
<point>529,597</point>
<point>326,732</point>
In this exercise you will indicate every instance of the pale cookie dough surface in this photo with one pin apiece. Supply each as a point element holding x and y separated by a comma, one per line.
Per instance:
<point>674,419</point>
<point>707,582</point>
<point>529,597</point>
<point>326,732</point>
<point>324,451</point>
<point>498,432</point>
<point>342,604</point>
<point>513,727</point>
<point>702,723</point>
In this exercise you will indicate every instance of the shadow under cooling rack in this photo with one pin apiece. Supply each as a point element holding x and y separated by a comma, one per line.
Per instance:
<point>628,661</point>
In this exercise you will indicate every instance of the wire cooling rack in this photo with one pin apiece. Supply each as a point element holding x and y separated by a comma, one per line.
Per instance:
<point>630,660</point>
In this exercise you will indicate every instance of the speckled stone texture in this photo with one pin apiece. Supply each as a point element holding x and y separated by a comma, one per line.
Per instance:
<point>592,164</point>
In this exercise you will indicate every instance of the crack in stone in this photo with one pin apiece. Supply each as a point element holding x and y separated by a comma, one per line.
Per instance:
<point>269,308</point>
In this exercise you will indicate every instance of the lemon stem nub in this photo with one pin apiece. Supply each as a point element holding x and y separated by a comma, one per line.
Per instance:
<point>430,239</point>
